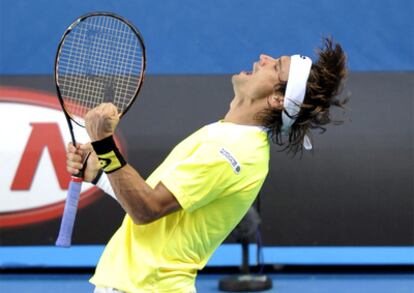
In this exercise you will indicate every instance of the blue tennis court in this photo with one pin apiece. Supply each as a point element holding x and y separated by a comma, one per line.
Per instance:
<point>282,283</point>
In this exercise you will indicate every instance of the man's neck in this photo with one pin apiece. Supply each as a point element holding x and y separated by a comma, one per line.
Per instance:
<point>243,111</point>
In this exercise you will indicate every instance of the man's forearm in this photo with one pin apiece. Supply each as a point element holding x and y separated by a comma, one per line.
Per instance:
<point>134,194</point>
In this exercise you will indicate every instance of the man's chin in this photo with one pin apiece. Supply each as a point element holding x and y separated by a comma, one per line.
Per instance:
<point>238,78</point>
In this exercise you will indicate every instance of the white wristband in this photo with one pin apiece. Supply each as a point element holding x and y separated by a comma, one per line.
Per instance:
<point>104,184</point>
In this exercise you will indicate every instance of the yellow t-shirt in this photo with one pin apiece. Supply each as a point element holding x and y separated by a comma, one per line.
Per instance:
<point>215,174</point>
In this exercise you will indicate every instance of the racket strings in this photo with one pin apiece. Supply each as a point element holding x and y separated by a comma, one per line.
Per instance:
<point>101,60</point>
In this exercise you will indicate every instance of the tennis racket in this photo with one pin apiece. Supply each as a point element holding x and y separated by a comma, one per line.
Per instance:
<point>100,58</point>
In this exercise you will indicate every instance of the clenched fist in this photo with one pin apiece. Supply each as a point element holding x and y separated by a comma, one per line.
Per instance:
<point>101,121</point>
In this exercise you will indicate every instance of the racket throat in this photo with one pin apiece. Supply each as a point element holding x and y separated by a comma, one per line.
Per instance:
<point>109,92</point>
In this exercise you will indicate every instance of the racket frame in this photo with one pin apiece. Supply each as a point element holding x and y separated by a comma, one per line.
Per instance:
<point>68,30</point>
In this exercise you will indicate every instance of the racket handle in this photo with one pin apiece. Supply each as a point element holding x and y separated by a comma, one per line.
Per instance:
<point>69,213</point>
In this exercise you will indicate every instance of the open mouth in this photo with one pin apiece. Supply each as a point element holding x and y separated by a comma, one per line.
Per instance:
<point>250,72</point>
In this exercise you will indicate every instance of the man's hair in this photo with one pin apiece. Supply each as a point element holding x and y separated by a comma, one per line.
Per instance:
<point>325,82</point>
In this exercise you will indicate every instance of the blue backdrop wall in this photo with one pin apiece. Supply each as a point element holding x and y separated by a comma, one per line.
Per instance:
<point>215,36</point>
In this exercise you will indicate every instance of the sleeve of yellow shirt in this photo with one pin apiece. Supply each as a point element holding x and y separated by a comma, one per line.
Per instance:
<point>200,178</point>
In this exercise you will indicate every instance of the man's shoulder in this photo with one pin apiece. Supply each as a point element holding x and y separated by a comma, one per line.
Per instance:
<point>229,133</point>
<point>242,140</point>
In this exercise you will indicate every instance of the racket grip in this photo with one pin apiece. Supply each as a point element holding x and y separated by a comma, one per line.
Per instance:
<point>69,213</point>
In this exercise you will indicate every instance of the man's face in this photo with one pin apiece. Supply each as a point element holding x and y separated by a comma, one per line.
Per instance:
<point>267,73</point>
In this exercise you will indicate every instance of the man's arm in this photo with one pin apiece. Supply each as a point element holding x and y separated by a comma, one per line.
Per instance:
<point>142,203</point>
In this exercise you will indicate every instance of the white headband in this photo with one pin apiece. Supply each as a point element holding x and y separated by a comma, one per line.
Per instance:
<point>299,70</point>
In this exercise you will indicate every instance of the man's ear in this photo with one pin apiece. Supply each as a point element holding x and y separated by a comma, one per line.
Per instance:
<point>276,101</point>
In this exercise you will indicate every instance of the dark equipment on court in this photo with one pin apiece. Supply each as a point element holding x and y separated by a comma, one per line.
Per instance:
<point>245,281</point>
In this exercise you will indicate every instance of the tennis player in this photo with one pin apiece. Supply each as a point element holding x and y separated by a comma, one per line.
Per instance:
<point>185,209</point>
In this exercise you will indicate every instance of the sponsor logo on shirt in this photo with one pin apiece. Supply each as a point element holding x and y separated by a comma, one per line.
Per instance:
<point>233,162</point>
